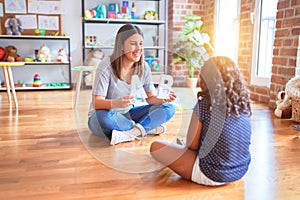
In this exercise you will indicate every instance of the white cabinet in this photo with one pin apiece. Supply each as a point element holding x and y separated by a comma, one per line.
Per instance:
<point>99,33</point>
<point>53,75</point>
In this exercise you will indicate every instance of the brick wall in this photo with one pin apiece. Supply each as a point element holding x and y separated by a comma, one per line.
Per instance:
<point>286,46</point>
<point>286,61</point>
<point>177,10</point>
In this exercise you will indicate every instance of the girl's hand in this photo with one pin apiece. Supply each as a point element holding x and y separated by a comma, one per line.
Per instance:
<point>123,102</point>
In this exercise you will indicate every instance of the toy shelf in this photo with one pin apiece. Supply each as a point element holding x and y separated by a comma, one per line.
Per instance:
<point>111,47</point>
<point>50,72</point>
<point>124,21</point>
<point>99,33</point>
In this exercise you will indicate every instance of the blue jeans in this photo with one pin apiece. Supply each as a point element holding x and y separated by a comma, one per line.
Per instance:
<point>148,116</point>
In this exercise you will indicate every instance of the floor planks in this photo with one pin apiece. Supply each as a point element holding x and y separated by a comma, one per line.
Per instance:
<point>46,152</point>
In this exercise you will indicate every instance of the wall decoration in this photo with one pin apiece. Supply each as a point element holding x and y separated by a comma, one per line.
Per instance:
<point>34,14</point>
<point>15,6</point>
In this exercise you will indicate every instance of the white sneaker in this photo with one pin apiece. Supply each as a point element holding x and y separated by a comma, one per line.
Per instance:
<point>158,130</point>
<point>121,136</point>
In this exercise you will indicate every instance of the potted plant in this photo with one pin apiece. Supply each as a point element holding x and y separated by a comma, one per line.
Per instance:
<point>192,46</point>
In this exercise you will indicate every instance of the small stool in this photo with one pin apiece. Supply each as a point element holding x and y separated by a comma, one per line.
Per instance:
<point>79,70</point>
<point>9,80</point>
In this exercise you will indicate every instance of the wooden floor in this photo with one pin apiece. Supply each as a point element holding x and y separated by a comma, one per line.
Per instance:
<point>47,152</point>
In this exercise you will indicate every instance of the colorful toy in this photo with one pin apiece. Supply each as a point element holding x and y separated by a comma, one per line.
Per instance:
<point>36,54</point>
<point>153,63</point>
<point>13,26</point>
<point>39,32</point>
<point>57,84</point>
<point>11,54</point>
<point>44,54</point>
<point>62,56</point>
<point>151,15</point>
<point>89,14</point>
<point>133,11</point>
<point>37,81</point>
<point>91,40</point>
<point>100,11</point>
<point>112,10</point>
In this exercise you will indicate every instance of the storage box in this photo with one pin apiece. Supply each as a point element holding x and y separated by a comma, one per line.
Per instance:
<point>296,109</point>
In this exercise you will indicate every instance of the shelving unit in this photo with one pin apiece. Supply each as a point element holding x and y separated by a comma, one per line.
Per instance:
<point>54,75</point>
<point>105,30</point>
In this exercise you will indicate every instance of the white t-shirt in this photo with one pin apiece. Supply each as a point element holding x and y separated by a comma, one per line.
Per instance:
<point>108,85</point>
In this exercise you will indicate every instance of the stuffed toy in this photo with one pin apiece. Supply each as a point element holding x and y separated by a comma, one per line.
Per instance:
<point>89,14</point>
<point>44,54</point>
<point>283,106</point>
<point>11,54</point>
<point>94,57</point>
<point>62,56</point>
<point>13,26</point>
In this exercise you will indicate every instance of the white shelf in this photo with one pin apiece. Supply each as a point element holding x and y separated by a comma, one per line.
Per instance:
<point>104,29</point>
<point>124,21</point>
<point>50,72</point>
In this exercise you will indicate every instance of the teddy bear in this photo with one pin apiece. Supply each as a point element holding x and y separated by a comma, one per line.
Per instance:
<point>94,57</point>
<point>283,106</point>
<point>13,26</point>
<point>44,54</point>
<point>11,54</point>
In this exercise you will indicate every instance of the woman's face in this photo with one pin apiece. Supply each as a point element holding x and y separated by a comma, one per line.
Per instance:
<point>133,47</point>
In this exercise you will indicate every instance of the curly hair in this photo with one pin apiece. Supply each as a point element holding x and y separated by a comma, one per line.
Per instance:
<point>221,75</point>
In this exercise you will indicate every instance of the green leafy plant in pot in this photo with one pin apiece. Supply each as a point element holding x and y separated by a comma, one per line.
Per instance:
<point>192,45</point>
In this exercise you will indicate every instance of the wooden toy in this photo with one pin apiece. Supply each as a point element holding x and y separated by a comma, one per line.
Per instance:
<point>112,10</point>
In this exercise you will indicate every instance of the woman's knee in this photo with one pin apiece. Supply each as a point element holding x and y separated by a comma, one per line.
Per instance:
<point>170,109</point>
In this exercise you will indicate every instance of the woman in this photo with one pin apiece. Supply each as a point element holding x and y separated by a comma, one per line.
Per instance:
<point>112,109</point>
<point>218,138</point>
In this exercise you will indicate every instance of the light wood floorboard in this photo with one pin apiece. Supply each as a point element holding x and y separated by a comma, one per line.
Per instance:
<point>47,152</point>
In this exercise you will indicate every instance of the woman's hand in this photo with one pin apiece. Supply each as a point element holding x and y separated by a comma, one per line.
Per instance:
<point>123,102</point>
<point>152,99</point>
<point>172,97</point>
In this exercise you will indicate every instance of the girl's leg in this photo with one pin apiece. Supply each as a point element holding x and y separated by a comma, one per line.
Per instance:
<point>177,157</point>
<point>151,116</point>
<point>180,158</point>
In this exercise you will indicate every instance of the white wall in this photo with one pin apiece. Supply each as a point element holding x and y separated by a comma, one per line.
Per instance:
<point>71,24</point>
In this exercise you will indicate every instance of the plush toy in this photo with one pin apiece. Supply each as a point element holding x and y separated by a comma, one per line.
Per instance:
<point>13,26</point>
<point>89,14</point>
<point>62,56</point>
<point>283,106</point>
<point>44,54</point>
<point>94,57</point>
<point>100,11</point>
<point>11,54</point>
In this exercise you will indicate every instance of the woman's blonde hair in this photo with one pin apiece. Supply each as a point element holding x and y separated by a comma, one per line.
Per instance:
<point>221,75</point>
<point>123,34</point>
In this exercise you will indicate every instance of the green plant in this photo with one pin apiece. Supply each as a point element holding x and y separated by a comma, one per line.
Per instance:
<point>192,45</point>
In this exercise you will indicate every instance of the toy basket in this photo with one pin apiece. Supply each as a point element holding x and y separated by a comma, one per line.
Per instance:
<point>296,109</point>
